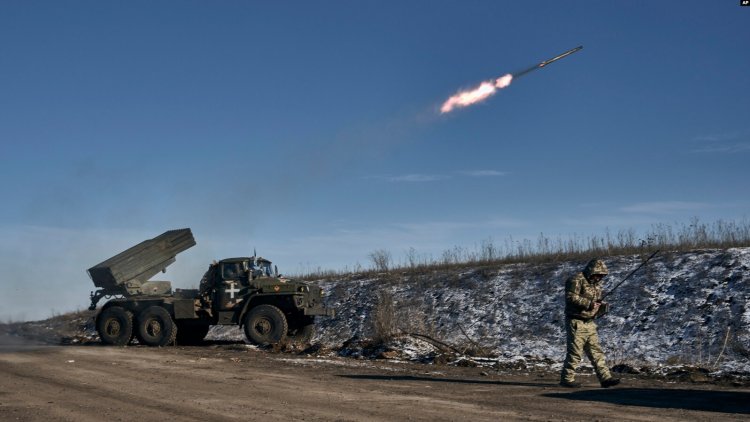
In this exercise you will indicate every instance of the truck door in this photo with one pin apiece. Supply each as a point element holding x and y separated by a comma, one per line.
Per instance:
<point>232,286</point>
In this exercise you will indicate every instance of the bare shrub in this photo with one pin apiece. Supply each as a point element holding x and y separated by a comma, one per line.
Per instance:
<point>488,251</point>
<point>414,317</point>
<point>411,257</point>
<point>383,317</point>
<point>381,260</point>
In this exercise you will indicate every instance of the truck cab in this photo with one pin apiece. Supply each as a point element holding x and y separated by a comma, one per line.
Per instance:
<point>233,287</point>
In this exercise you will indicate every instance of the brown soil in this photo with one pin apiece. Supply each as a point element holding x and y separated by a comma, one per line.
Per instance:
<point>234,382</point>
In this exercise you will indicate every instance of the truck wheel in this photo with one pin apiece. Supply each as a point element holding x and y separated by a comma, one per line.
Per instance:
<point>115,326</point>
<point>155,327</point>
<point>265,324</point>
<point>191,332</point>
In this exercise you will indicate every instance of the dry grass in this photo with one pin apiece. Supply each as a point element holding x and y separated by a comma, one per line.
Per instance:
<point>679,237</point>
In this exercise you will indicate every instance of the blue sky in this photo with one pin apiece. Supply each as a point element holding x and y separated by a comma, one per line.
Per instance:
<point>310,130</point>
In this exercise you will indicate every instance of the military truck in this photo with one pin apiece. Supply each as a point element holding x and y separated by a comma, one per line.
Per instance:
<point>245,291</point>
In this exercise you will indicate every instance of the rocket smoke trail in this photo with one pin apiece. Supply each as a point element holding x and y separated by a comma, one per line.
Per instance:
<point>488,88</point>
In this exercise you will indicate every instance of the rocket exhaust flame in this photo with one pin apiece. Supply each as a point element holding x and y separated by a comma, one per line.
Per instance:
<point>480,93</point>
<point>489,88</point>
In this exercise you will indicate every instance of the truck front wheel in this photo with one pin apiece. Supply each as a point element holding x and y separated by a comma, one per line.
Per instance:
<point>265,324</point>
<point>115,326</point>
<point>155,327</point>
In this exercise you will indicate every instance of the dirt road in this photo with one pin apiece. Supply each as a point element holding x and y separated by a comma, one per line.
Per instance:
<point>235,382</point>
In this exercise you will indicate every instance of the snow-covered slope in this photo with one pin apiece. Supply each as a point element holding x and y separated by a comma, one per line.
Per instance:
<point>683,307</point>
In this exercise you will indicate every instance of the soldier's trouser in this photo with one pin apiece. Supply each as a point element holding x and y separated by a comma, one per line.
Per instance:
<point>582,337</point>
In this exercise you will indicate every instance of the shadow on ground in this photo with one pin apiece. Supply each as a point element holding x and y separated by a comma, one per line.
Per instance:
<point>450,380</point>
<point>703,400</point>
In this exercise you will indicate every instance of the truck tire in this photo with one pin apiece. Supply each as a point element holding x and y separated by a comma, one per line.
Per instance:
<point>156,327</point>
<point>190,332</point>
<point>115,326</point>
<point>265,324</point>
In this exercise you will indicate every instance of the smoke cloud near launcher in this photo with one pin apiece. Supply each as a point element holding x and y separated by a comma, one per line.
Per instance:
<point>488,88</point>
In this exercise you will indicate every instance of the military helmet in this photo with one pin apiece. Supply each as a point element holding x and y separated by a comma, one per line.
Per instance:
<point>595,267</point>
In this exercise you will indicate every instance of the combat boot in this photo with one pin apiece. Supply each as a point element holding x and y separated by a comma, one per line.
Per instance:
<point>610,382</point>
<point>570,384</point>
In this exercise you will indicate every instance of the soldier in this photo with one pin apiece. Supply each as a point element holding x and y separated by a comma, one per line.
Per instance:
<point>582,303</point>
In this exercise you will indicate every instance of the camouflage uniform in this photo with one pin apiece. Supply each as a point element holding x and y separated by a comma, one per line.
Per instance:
<point>581,293</point>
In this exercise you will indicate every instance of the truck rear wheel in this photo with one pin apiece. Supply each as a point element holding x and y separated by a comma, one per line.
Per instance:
<point>115,326</point>
<point>155,327</point>
<point>265,324</point>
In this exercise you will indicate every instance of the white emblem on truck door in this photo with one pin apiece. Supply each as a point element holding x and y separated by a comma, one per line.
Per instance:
<point>232,289</point>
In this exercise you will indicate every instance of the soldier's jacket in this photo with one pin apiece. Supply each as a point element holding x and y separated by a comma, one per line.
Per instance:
<point>580,295</point>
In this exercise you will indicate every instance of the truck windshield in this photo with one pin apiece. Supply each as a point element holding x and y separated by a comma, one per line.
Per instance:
<point>232,270</point>
<point>265,268</point>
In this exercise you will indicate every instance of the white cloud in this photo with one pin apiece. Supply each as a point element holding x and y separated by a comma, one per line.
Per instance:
<point>732,142</point>
<point>449,226</point>
<point>601,221</point>
<point>728,148</point>
<point>718,137</point>
<point>665,207</point>
<point>424,178</point>
<point>483,173</point>
<point>643,214</point>
<point>414,178</point>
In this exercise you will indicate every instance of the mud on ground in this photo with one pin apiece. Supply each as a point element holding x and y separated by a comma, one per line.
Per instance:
<point>237,382</point>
